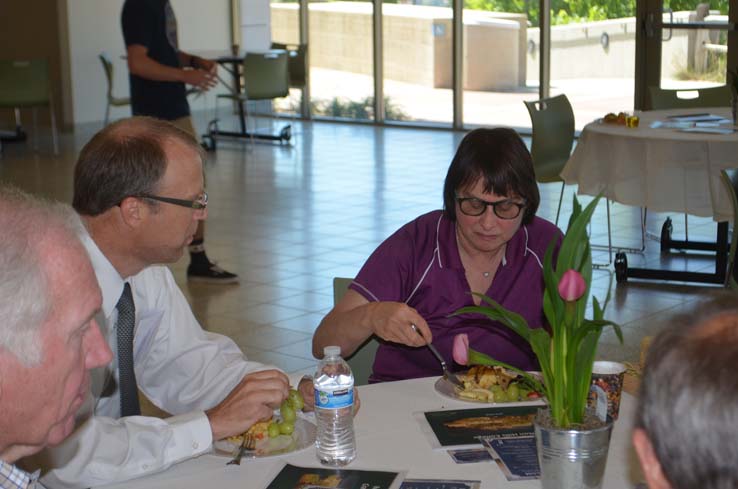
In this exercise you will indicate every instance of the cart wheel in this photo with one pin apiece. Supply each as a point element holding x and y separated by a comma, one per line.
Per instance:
<point>666,231</point>
<point>208,143</point>
<point>621,267</point>
<point>285,134</point>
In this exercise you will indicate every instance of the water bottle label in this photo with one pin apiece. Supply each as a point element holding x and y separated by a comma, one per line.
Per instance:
<point>339,398</point>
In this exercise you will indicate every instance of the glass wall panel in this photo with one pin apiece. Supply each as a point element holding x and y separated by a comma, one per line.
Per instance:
<point>500,62</point>
<point>341,54</point>
<point>417,41</point>
<point>285,25</point>
<point>593,56</point>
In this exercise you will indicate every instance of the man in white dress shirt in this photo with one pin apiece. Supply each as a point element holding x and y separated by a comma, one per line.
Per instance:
<point>49,339</point>
<point>138,186</point>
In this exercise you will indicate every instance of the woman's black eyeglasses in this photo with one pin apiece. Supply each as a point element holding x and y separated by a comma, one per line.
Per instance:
<point>504,209</point>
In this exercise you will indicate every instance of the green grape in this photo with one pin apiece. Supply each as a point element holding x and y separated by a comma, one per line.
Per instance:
<point>273,430</point>
<point>496,388</point>
<point>295,398</point>
<point>287,412</point>
<point>501,396</point>
<point>286,428</point>
<point>513,392</point>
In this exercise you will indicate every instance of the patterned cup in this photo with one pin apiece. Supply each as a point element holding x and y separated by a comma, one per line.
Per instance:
<point>606,388</point>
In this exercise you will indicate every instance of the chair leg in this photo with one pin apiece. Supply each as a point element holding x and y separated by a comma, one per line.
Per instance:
<point>245,105</point>
<point>54,137</point>
<point>561,197</point>
<point>609,234</point>
<point>686,228</point>
<point>35,129</point>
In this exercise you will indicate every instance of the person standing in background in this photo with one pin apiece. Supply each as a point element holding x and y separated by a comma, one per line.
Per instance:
<point>158,73</point>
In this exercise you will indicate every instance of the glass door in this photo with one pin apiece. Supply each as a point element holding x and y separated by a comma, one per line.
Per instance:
<point>685,46</point>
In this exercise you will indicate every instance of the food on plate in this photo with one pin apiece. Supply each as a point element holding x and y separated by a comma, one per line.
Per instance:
<point>492,423</point>
<point>494,384</point>
<point>258,431</point>
<point>272,428</point>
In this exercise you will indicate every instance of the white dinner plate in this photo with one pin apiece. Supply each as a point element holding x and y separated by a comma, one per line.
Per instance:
<point>447,389</point>
<point>303,437</point>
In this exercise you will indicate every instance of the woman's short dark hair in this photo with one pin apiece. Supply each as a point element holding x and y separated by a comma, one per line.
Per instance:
<point>499,157</point>
<point>125,159</point>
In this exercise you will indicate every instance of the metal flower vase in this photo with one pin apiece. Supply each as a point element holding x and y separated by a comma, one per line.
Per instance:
<point>571,458</point>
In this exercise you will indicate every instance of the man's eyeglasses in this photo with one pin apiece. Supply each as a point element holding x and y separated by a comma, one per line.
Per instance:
<point>199,204</point>
<point>504,209</point>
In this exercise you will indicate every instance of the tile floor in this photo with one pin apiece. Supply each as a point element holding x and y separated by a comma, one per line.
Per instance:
<point>288,219</point>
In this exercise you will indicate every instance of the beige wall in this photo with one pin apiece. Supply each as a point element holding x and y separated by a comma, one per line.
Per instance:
<point>29,29</point>
<point>71,34</point>
<point>94,26</point>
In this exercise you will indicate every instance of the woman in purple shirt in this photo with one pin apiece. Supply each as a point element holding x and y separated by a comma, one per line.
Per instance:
<point>487,239</point>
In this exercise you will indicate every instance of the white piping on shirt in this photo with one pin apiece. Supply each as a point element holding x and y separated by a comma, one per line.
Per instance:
<point>366,290</point>
<point>437,253</point>
<point>538,259</point>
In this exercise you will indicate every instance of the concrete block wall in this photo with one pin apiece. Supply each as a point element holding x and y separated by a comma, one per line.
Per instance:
<point>417,42</point>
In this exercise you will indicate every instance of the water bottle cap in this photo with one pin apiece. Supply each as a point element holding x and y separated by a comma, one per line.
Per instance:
<point>332,351</point>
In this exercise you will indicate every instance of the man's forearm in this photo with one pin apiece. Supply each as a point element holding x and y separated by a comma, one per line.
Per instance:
<point>145,67</point>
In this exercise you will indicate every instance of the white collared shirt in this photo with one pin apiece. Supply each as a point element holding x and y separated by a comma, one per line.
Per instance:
<point>179,366</point>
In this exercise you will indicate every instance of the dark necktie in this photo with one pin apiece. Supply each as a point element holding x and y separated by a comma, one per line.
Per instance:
<point>127,377</point>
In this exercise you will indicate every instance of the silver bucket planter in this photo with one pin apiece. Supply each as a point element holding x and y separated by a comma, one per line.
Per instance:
<point>571,458</point>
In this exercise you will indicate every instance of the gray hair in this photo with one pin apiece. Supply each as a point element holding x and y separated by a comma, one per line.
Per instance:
<point>24,289</point>
<point>689,397</point>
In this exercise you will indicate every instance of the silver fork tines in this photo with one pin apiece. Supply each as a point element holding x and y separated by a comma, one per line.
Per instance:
<point>246,444</point>
<point>447,374</point>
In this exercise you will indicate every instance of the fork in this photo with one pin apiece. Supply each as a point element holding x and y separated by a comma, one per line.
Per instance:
<point>246,444</point>
<point>447,374</point>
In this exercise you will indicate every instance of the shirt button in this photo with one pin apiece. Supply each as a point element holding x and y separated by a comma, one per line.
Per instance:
<point>195,445</point>
<point>145,467</point>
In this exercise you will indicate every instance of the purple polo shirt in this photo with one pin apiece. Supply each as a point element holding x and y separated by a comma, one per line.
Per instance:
<point>420,265</point>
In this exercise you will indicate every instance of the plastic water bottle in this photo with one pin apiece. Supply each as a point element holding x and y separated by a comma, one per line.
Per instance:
<point>334,405</point>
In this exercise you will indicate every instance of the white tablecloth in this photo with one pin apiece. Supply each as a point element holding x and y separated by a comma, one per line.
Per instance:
<point>389,438</point>
<point>662,169</point>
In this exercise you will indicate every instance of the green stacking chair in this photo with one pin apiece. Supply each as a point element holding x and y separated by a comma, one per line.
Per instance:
<point>112,100</point>
<point>553,137</point>
<point>265,77</point>
<point>296,63</point>
<point>25,84</point>
<point>730,178</point>
<point>362,361</point>
<point>706,97</point>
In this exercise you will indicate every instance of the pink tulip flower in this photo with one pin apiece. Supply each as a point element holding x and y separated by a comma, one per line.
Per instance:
<point>572,286</point>
<point>460,350</point>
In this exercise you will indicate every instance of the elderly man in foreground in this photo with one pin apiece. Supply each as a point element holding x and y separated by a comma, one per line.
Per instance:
<point>138,186</point>
<point>49,339</point>
<point>687,419</point>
